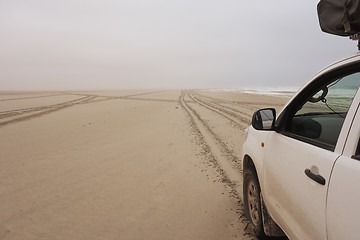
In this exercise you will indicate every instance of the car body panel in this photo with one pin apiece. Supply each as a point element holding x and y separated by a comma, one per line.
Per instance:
<point>344,194</point>
<point>303,208</point>
<point>292,198</point>
<point>255,150</point>
<point>343,200</point>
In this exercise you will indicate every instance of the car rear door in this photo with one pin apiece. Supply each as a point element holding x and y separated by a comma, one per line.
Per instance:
<point>343,201</point>
<point>300,156</point>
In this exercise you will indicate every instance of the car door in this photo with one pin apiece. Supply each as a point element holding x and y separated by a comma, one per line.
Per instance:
<point>343,209</point>
<point>300,155</point>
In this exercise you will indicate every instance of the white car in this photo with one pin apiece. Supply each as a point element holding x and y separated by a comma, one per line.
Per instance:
<point>301,168</point>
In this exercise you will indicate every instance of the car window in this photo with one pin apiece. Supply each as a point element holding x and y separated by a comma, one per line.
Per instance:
<point>319,120</point>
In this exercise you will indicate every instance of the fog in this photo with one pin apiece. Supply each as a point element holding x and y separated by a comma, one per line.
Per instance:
<point>118,44</point>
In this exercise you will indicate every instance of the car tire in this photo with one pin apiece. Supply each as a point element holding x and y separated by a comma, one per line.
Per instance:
<point>252,202</point>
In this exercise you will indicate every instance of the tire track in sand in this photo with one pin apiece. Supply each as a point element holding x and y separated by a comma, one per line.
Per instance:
<point>220,103</point>
<point>238,120</point>
<point>20,111</point>
<point>242,104</point>
<point>22,98</point>
<point>18,115</point>
<point>231,156</point>
<point>221,154</point>
<point>13,116</point>
<point>215,152</point>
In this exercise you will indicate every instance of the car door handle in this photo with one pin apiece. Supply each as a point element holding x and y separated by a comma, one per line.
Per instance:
<point>316,177</point>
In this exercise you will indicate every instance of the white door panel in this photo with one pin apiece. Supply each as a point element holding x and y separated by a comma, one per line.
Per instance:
<point>343,200</point>
<point>298,200</point>
<point>343,209</point>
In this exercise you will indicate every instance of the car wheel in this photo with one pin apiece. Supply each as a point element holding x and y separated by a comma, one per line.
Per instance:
<point>252,202</point>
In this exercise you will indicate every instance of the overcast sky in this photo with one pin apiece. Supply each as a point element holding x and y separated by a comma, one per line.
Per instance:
<point>116,44</point>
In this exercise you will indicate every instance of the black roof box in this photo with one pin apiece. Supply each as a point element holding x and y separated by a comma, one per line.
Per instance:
<point>339,17</point>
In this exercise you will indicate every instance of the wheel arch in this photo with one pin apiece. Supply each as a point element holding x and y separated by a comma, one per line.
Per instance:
<point>269,225</point>
<point>248,163</point>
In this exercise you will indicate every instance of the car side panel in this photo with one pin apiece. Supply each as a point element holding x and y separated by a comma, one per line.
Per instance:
<point>252,148</point>
<point>343,200</point>
<point>343,195</point>
<point>296,202</point>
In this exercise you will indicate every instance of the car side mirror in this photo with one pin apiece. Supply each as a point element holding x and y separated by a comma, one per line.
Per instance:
<point>264,119</point>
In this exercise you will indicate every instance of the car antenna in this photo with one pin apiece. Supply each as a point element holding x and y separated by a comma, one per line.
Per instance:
<point>355,37</point>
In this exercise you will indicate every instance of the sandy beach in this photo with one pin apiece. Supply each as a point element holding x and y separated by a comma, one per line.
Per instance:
<point>131,164</point>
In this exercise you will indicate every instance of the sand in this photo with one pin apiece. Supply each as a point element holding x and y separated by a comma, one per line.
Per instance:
<point>124,164</point>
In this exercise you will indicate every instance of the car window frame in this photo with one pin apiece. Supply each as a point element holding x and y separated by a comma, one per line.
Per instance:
<point>314,86</point>
<point>352,141</point>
